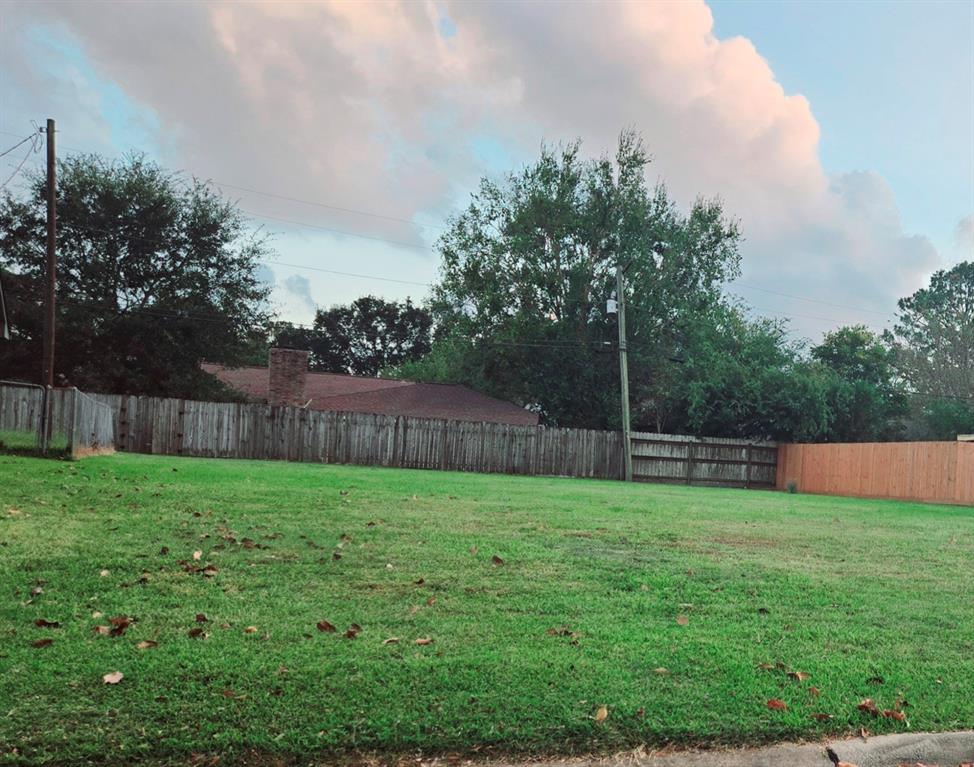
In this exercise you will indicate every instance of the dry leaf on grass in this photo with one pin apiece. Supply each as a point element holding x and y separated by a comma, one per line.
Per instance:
<point>326,626</point>
<point>775,704</point>
<point>43,624</point>
<point>197,632</point>
<point>42,643</point>
<point>868,707</point>
<point>113,678</point>
<point>431,601</point>
<point>602,714</point>
<point>197,555</point>
<point>104,573</point>
<point>147,644</point>
<point>814,691</point>
<point>497,560</point>
<point>102,630</point>
<point>683,620</point>
<point>799,676</point>
<point>822,717</point>
<point>424,641</point>
<point>899,716</point>
<point>391,640</point>
<point>250,630</point>
<point>661,671</point>
<point>200,618</point>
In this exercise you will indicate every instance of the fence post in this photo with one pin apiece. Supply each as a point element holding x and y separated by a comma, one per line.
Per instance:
<point>691,450</point>
<point>747,467</point>
<point>72,427</point>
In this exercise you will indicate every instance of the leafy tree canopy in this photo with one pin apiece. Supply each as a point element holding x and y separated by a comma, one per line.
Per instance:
<point>933,342</point>
<point>362,338</point>
<point>155,274</point>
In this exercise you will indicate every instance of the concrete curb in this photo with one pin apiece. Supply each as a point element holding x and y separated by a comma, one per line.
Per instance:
<point>948,749</point>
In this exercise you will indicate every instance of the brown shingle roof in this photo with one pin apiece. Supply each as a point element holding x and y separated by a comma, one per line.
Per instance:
<point>384,396</point>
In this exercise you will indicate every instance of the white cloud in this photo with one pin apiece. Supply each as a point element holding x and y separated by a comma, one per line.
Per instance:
<point>368,106</point>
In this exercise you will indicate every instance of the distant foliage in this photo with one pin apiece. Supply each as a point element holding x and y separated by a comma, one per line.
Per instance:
<point>363,338</point>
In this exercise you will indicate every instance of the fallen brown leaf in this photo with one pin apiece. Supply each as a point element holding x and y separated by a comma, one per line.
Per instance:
<point>640,713</point>
<point>602,714</point>
<point>326,626</point>
<point>799,676</point>
<point>683,620</point>
<point>196,632</point>
<point>103,630</point>
<point>822,717</point>
<point>431,601</point>
<point>104,573</point>
<point>42,642</point>
<point>391,640</point>
<point>661,671</point>
<point>497,560</point>
<point>814,691</point>
<point>424,641</point>
<point>899,716</point>
<point>200,618</point>
<point>147,644</point>
<point>209,571</point>
<point>44,624</point>
<point>420,582</point>
<point>250,630</point>
<point>868,707</point>
<point>776,704</point>
<point>120,624</point>
<point>197,555</point>
<point>113,678</point>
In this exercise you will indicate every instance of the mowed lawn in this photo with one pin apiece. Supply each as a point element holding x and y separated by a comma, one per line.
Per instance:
<point>680,610</point>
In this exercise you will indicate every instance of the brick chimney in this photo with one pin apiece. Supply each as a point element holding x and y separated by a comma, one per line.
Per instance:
<point>288,369</point>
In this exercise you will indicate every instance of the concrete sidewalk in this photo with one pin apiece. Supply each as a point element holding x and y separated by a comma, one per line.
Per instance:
<point>944,750</point>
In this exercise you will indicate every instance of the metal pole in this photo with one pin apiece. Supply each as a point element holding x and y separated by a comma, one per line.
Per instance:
<point>48,362</point>
<point>624,374</point>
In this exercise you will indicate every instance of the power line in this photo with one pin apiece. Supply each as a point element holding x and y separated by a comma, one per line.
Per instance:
<point>31,149</point>
<point>812,300</point>
<point>22,141</point>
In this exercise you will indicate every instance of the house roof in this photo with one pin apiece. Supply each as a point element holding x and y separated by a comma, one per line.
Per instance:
<point>383,396</point>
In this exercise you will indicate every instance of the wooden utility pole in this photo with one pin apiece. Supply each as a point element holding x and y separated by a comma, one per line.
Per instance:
<point>48,362</point>
<point>624,373</point>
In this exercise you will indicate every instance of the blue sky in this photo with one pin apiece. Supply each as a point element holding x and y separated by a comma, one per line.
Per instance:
<point>892,87</point>
<point>397,110</point>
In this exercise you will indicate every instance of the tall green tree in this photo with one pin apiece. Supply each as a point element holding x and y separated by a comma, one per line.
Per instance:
<point>933,340</point>
<point>866,400</point>
<point>155,273</point>
<point>363,338</point>
<point>520,307</point>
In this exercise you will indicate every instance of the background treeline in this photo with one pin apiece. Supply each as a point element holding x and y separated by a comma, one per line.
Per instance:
<point>158,273</point>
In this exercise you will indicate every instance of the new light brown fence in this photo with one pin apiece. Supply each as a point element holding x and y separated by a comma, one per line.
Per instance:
<point>941,472</point>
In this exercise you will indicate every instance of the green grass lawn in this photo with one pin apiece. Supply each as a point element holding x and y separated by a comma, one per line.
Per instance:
<point>871,599</point>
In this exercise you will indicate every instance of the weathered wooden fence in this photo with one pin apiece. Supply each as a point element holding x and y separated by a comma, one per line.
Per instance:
<point>235,430</point>
<point>940,472</point>
<point>703,460</point>
<point>232,430</point>
<point>79,422</point>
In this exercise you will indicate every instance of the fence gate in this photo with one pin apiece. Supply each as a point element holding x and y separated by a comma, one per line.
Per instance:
<point>78,423</point>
